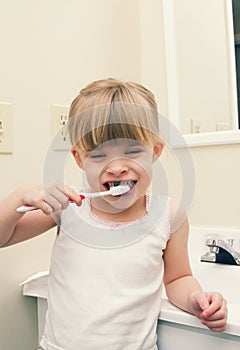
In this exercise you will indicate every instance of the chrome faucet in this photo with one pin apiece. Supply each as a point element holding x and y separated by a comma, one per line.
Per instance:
<point>221,250</point>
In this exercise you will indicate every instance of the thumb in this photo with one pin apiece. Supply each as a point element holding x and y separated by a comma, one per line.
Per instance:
<point>202,301</point>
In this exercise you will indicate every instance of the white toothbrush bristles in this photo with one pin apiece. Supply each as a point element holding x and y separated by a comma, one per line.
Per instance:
<point>118,190</point>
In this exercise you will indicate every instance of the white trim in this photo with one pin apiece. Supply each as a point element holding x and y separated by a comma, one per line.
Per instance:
<point>171,61</point>
<point>212,138</point>
<point>232,87</point>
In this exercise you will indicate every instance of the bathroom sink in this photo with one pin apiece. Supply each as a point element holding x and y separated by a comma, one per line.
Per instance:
<point>219,277</point>
<point>212,277</point>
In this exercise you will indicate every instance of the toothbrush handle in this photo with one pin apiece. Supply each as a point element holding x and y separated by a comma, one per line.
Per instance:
<point>26,207</point>
<point>95,194</point>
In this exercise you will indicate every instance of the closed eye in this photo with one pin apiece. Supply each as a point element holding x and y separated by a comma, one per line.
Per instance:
<point>97,155</point>
<point>133,151</point>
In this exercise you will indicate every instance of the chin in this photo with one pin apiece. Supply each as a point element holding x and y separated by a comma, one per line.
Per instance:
<point>122,202</point>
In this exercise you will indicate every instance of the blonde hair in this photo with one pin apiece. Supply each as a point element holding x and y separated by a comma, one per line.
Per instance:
<point>112,109</point>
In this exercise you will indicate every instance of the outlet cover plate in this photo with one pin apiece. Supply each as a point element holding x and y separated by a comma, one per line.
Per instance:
<point>61,140</point>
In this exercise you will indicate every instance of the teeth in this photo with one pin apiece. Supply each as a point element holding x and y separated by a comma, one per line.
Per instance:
<point>130,183</point>
<point>114,184</point>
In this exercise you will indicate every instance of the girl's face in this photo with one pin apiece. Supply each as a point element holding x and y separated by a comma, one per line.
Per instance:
<point>117,162</point>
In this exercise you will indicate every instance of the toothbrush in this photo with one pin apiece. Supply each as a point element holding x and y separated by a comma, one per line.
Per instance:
<point>114,191</point>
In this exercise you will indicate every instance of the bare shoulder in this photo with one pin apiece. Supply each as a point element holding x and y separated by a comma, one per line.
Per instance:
<point>178,218</point>
<point>176,253</point>
<point>177,245</point>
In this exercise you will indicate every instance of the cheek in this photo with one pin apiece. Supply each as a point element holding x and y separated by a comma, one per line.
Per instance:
<point>93,172</point>
<point>144,168</point>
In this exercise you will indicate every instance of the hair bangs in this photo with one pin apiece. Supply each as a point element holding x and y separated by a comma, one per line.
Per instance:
<point>107,122</point>
<point>110,132</point>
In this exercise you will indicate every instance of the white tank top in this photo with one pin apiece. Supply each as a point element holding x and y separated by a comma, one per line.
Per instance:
<point>104,298</point>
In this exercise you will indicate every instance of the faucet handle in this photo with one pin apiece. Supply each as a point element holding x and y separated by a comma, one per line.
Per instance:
<point>231,241</point>
<point>214,249</point>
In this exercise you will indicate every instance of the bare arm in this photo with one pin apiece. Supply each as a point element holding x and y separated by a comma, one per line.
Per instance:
<point>183,289</point>
<point>16,227</point>
<point>178,279</point>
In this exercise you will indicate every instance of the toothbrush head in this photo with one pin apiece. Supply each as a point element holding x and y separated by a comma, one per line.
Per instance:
<point>118,190</point>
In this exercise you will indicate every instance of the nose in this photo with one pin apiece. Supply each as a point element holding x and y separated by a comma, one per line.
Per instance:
<point>117,167</point>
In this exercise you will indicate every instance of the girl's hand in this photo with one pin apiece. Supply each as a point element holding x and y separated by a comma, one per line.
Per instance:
<point>211,309</point>
<point>51,199</point>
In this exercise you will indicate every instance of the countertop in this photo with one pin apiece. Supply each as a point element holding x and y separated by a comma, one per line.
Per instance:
<point>36,286</point>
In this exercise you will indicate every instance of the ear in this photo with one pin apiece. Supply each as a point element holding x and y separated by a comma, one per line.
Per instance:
<point>157,150</point>
<point>77,158</point>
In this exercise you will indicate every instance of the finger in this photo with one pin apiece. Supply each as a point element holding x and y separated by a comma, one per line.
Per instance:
<point>73,196</point>
<point>56,203</point>
<point>54,189</point>
<point>218,321</point>
<point>43,206</point>
<point>216,302</point>
<point>218,315</point>
<point>215,326</point>
<point>64,194</point>
<point>56,197</point>
<point>46,208</point>
<point>215,320</point>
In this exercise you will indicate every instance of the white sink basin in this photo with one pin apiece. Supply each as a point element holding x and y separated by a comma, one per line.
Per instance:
<point>222,278</point>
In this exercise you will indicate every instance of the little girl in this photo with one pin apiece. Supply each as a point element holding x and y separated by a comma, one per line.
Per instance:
<point>112,254</point>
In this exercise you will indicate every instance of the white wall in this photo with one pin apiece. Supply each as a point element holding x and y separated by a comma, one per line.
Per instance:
<point>49,51</point>
<point>216,202</point>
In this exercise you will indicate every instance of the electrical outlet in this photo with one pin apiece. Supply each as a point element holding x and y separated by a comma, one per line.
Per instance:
<point>222,126</point>
<point>6,140</point>
<point>59,121</point>
<point>195,126</point>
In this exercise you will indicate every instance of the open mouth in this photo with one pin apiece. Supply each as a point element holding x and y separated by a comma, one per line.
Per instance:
<point>111,184</point>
